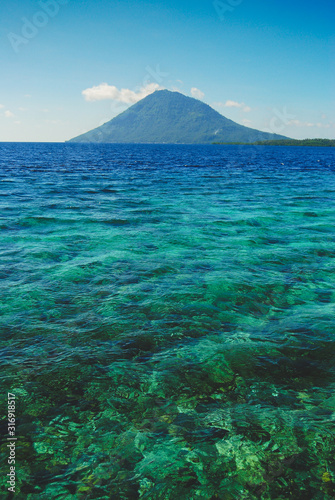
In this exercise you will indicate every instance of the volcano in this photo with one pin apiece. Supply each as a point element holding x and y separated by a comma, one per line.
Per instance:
<point>166,117</point>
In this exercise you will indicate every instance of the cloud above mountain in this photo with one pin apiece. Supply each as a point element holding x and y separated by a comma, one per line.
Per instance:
<point>110,92</point>
<point>233,104</point>
<point>197,93</point>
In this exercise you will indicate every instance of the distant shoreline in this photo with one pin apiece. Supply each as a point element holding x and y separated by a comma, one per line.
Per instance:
<point>329,143</point>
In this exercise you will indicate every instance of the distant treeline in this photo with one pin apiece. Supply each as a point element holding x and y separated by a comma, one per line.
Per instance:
<point>330,143</point>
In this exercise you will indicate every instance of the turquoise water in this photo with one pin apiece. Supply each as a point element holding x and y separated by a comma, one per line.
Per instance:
<point>167,321</point>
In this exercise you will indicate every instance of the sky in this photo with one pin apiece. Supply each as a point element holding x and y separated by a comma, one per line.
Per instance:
<point>68,66</point>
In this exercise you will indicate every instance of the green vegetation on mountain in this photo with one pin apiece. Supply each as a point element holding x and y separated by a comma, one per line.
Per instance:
<point>172,118</point>
<point>295,142</point>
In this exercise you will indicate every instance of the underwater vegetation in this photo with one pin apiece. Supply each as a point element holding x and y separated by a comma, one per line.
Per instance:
<point>168,333</point>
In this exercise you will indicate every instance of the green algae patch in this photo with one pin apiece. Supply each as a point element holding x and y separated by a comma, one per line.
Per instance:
<point>218,371</point>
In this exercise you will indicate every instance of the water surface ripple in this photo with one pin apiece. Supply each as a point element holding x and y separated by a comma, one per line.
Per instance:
<point>167,320</point>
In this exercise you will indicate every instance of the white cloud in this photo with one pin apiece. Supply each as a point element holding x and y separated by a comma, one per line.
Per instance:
<point>1,106</point>
<point>104,91</point>
<point>197,93</point>
<point>234,104</point>
<point>9,114</point>
<point>246,122</point>
<point>298,123</point>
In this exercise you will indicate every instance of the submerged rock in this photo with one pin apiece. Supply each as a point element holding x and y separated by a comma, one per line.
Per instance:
<point>218,370</point>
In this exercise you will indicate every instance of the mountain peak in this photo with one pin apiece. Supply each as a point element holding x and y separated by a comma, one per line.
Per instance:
<point>167,116</point>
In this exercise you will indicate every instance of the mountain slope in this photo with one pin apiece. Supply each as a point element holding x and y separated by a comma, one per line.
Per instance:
<point>171,117</point>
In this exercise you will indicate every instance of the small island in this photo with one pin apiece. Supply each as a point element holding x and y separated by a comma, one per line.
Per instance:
<point>325,143</point>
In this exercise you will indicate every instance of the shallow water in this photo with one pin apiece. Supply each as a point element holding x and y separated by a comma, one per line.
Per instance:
<point>167,320</point>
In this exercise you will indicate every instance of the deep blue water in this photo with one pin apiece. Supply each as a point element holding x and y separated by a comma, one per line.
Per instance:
<point>167,320</point>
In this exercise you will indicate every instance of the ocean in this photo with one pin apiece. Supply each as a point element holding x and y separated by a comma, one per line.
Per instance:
<point>167,321</point>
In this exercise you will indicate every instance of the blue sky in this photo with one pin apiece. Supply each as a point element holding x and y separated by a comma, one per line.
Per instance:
<point>268,65</point>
